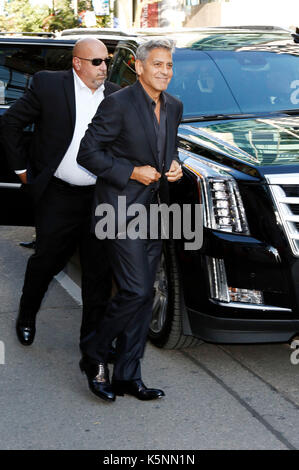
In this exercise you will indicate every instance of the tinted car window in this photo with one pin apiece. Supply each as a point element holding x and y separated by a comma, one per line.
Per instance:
<point>199,83</point>
<point>19,63</point>
<point>123,68</point>
<point>261,81</point>
<point>225,82</point>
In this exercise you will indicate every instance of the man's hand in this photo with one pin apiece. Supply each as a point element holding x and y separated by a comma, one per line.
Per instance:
<point>23,177</point>
<point>145,174</point>
<point>175,172</point>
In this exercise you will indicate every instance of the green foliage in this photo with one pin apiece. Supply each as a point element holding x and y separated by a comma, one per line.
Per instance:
<point>85,5</point>
<point>104,21</point>
<point>62,17</point>
<point>22,16</point>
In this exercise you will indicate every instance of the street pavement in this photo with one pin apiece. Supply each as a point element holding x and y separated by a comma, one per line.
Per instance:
<point>217,396</point>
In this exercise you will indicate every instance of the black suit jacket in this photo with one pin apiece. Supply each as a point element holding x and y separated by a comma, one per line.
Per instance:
<point>121,136</point>
<point>49,104</point>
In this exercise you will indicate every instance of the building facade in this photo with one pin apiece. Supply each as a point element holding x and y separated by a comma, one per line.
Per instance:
<point>201,13</point>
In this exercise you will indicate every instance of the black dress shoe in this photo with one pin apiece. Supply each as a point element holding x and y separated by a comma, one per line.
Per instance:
<point>137,389</point>
<point>30,245</point>
<point>98,378</point>
<point>25,329</point>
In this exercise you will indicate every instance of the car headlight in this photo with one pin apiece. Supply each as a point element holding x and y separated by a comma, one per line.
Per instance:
<point>223,205</point>
<point>225,210</point>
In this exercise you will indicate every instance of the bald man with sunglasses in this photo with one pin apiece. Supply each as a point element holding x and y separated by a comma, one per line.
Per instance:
<point>60,105</point>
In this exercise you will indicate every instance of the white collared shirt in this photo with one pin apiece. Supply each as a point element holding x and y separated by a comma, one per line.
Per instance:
<point>86,105</point>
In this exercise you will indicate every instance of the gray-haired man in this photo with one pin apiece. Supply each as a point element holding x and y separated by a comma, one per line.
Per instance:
<point>131,146</point>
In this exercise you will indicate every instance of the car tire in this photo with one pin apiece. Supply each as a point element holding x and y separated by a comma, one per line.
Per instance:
<point>166,329</point>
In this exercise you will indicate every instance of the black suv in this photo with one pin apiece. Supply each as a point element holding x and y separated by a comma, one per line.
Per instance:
<point>239,146</point>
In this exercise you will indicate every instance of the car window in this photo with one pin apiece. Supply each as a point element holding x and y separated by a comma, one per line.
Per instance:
<point>261,81</point>
<point>123,68</point>
<point>19,62</point>
<point>198,82</point>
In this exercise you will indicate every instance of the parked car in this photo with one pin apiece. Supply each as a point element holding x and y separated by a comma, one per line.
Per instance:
<point>21,55</point>
<point>239,147</point>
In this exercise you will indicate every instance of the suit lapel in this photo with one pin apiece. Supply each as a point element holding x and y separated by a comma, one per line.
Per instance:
<point>145,118</point>
<point>69,89</point>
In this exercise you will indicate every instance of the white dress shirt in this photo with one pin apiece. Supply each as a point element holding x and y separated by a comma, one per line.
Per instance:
<point>86,105</point>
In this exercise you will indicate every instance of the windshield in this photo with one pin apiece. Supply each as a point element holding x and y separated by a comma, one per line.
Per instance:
<point>232,82</point>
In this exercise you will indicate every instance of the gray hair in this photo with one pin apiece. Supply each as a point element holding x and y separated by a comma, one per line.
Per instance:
<point>145,48</point>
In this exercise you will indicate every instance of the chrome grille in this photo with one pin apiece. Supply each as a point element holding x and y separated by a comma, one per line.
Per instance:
<point>285,191</point>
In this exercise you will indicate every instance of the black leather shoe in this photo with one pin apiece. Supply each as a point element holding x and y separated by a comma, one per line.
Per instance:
<point>30,245</point>
<point>137,389</point>
<point>25,329</point>
<point>98,378</point>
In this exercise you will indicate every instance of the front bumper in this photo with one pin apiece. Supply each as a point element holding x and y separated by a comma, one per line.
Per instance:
<point>239,330</point>
<point>249,264</point>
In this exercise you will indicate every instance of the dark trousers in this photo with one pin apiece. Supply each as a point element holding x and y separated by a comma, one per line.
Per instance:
<point>62,225</point>
<point>134,264</point>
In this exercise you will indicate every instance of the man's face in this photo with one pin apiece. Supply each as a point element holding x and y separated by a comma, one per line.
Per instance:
<point>156,71</point>
<point>92,75</point>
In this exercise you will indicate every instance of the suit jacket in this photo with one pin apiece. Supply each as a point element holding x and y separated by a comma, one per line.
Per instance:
<point>49,104</point>
<point>121,136</point>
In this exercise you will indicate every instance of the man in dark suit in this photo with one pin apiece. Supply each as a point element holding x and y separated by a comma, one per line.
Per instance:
<point>60,105</point>
<point>131,146</point>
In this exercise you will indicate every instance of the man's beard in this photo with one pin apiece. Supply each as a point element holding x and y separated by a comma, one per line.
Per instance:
<point>99,81</point>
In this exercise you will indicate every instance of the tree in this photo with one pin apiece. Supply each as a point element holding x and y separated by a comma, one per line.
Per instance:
<point>62,17</point>
<point>21,16</point>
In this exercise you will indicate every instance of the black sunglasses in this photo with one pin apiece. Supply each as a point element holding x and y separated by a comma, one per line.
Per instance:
<point>97,62</point>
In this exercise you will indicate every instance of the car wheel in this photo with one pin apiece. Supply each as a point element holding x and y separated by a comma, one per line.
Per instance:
<point>166,329</point>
